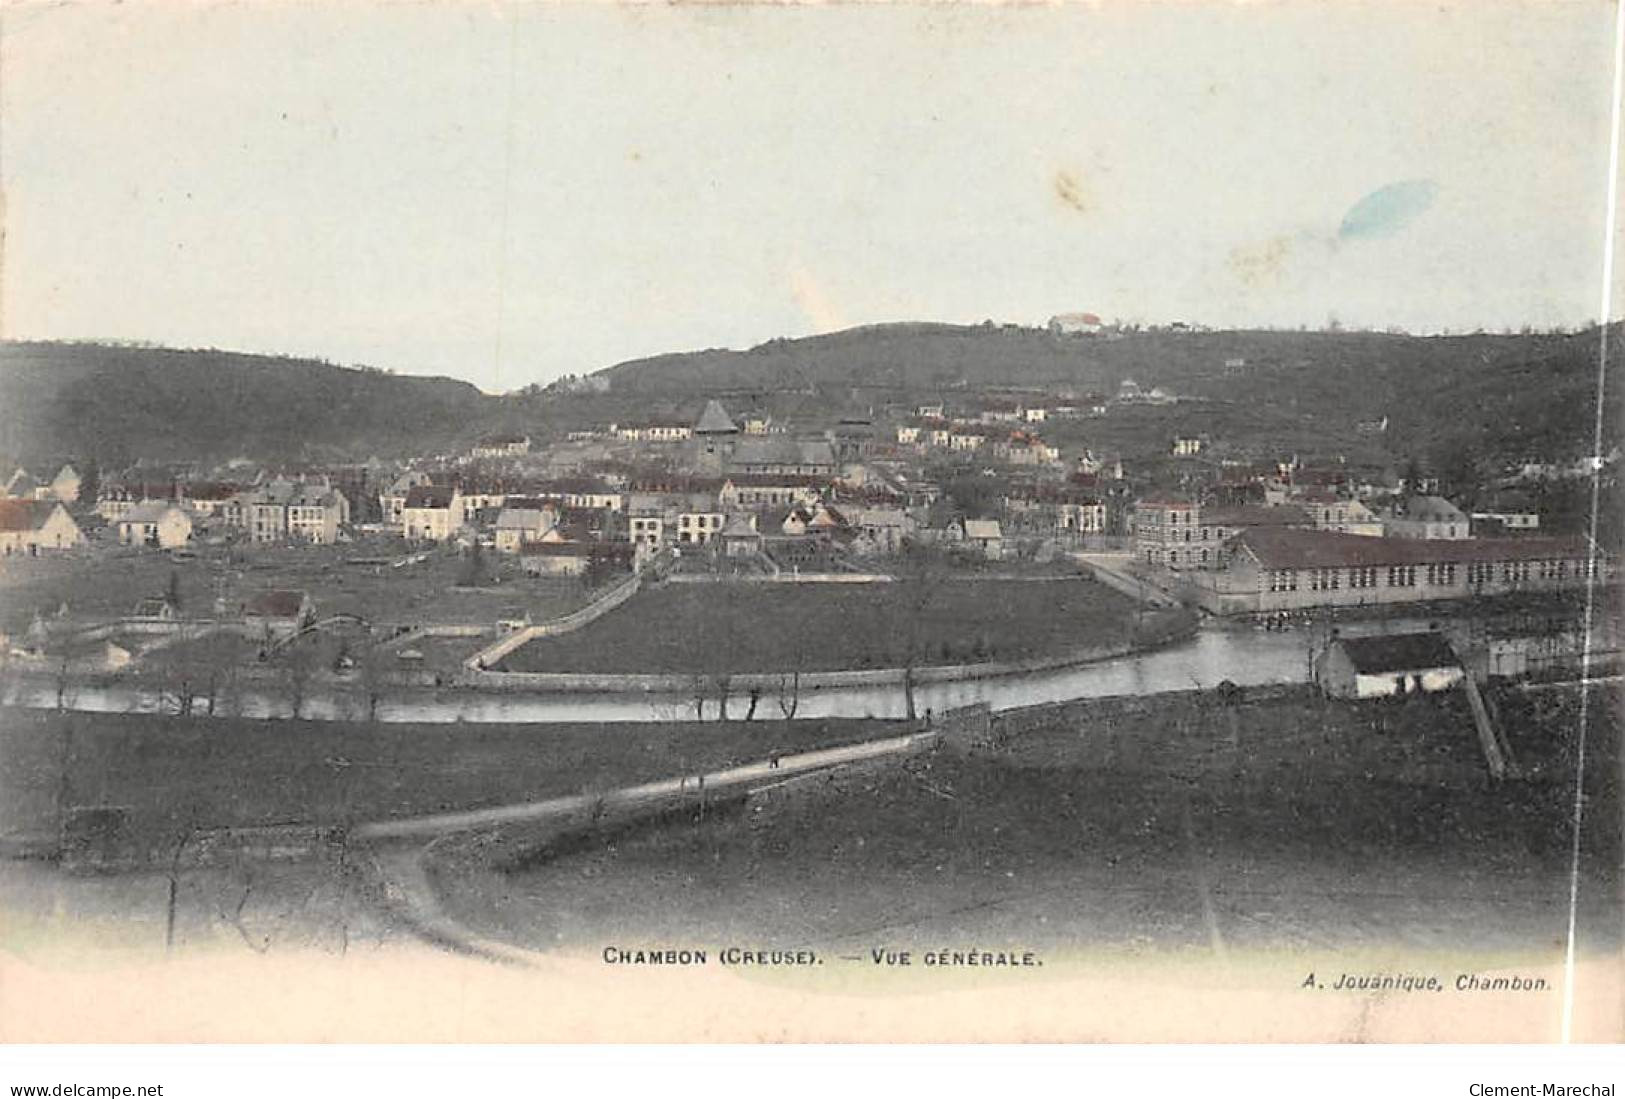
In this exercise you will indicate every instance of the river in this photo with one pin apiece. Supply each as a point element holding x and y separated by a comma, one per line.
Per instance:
<point>1241,655</point>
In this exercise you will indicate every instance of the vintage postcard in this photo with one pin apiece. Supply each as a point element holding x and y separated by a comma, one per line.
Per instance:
<point>539,522</point>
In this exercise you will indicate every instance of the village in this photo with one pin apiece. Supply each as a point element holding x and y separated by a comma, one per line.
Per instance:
<point>434,570</point>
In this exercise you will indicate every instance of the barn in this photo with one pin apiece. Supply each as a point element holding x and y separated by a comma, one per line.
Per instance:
<point>1377,667</point>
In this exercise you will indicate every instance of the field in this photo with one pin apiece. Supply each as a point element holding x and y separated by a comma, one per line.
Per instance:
<point>106,582</point>
<point>176,774</point>
<point>1169,824</point>
<point>684,628</point>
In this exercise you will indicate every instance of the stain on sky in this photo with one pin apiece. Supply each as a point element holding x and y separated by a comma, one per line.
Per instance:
<point>1387,210</point>
<point>1070,190</point>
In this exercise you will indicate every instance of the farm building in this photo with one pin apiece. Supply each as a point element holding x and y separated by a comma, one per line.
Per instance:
<point>1376,667</point>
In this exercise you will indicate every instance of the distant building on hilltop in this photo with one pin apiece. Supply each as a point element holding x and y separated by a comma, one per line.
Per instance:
<point>502,446</point>
<point>1075,324</point>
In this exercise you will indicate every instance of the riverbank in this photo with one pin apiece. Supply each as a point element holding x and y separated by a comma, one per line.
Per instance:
<point>174,776</point>
<point>1152,630</point>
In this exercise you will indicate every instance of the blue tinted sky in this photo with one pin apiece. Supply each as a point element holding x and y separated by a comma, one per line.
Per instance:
<point>508,193</point>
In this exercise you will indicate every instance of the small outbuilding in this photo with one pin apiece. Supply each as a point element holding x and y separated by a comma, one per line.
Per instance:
<point>1378,667</point>
<point>279,613</point>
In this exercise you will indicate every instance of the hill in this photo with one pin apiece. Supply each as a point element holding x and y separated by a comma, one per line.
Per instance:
<point>119,403</point>
<point>1494,395</point>
<point>1448,399</point>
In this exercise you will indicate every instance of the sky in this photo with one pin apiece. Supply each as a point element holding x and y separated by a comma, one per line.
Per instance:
<point>507,193</point>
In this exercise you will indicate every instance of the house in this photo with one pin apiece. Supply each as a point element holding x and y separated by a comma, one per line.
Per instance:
<point>576,558</point>
<point>984,536</point>
<point>516,526</point>
<point>28,526</point>
<point>1022,448</point>
<point>279,612</point>
<point>113,500</point>
<point>432,513</point>
<point>778,456</point>
<point>797,521</point>
<point>1425,517</point>
<point>1187,446</point>
<point>1177,534</point>
<point>755,491</point>
<point>1378,667</point>
<point>502,446</point>
<point>392,501</point>
<point>1509,512</point>
<point>908,434</point>
<point>699,527</point>
<point>1055,510</point>
<point>880,529</point>
<point>739,536</point>
<point>298,511</point>
<point>1330,511</point>
<point>64,487</point>
<point>163,524</point>
<point>481,494</point>
<point>646,528</point>
<point>662,430</point>
<point>581,492</point>
<point>19,486</point>
<point>1162,527</point>
<point>1000,412</point>
<point>205,499</point>
<point>1075,324</point>
<point>829,521</point>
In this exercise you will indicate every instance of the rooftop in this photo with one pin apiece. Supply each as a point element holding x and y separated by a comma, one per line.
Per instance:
<point>25,514</point>
<point>1280,547</point>
<point>1398,653</point>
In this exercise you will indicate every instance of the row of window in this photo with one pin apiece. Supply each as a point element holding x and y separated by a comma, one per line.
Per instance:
<point>1434,575</point>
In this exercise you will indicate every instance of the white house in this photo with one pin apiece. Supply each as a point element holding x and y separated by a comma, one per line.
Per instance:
<point>502,446</point>
<point>1426,517</point>
<point>64,487</point>
<point>28,526</point>
<point>984,535</point>
<point>392,501</point>
<point>1377,667</point>
<point>160,523</point>
<point>516,526</point>
<point>432,513</point>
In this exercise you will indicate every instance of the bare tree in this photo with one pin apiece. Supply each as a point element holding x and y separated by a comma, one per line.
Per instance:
<point>298,673</point>
<point>373,681</point>
<point>698,691</point>
<point>922,570</point>
<point>63,670</point>
<point>790,693</point>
